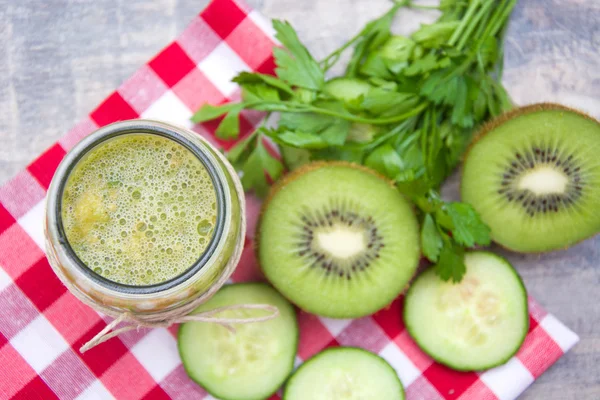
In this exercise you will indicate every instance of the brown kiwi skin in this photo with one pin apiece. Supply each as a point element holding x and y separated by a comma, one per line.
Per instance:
<point>509,115</point>
<point>293,175</point>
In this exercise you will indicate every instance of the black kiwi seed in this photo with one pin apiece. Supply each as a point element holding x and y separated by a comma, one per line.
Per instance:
<point>342,268</point>
<point>531,202</point>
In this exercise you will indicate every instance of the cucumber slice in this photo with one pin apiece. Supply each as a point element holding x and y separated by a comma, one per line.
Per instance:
<point>344,373</point>
<point>476,324</point>
<point>251,363</point>
<point>346,89</point>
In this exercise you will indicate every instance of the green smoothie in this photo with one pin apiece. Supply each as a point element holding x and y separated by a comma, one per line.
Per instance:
<point>139,209</point>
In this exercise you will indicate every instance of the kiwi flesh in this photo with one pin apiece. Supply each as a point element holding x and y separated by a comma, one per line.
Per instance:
<point>337,239</point>
<point>534,177</point>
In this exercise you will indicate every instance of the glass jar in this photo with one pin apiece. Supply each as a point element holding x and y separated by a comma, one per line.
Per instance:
<point>207,274</point>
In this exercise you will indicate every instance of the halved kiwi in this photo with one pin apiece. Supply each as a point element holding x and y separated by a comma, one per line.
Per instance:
<point>534,177</point>
<point>338,240</point>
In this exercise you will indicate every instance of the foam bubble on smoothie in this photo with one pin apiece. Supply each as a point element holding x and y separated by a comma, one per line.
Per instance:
<point>139,209</point>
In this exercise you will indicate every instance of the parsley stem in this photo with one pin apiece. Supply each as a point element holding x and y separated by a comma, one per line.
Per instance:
<point>373,121</point>
<point>332,58</point>
<point>383,138</point>
<point>484,10</point>
<point>464,22</point>
<point>422,6</point>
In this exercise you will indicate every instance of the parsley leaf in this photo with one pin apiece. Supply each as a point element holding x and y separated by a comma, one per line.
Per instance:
<point>431,240</point>
<point>451,263</point>
<point>254,92</point>
<point>209,112</point>
<point>229,128</point>
<point>253,171</point>
<point>302,139</point>
<point>295,65</point>
<point>468,229</point>
<point>244,78</point>
<point>386,161</point>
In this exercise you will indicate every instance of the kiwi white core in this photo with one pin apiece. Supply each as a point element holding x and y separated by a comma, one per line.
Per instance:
<point>341,242</point>
<point>544,180</point>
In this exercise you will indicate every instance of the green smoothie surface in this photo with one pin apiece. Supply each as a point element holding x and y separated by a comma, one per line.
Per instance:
<point>139,209</point>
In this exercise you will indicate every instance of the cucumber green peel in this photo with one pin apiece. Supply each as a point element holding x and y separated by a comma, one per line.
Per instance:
<point>476,324</point>
<point>423,95</point>
<point>250,363</point>
<point>344,373</point>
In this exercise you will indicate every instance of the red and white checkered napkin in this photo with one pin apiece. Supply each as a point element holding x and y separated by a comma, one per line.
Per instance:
<point>42,325</point>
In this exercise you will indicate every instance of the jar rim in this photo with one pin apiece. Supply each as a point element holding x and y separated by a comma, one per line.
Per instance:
<point>122,128</point>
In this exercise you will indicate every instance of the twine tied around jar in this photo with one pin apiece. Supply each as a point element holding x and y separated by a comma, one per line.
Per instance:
<point>206,316</point>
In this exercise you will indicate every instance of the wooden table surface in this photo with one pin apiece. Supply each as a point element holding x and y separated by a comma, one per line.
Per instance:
<point>59,58</point>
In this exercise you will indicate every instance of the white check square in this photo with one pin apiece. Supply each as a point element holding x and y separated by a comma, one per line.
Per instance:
<point>169,108</point>
<point>33,223</point>
<point>221,66</point>
<point>335,326</point>
<point>509,380</point>
<point>5,280</point>
<point>39,343</point>
<point>264,24</point>
<point>562,335</point>
<point>157,352</point>
<point>96,391</point>
<point>405,369</point>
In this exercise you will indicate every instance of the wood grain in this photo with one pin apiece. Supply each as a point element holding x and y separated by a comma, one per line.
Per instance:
<point>59,58</point>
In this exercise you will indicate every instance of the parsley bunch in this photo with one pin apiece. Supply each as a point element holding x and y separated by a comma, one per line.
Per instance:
<point>427,92</point>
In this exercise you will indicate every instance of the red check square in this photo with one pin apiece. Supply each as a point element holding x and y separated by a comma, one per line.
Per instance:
<point>539,342</point>
<point>195,90</point>
<point>172,64</point>
<point>250,43</point>
<point>101,358</point>
<point>71,318</point>
<point>3,340</point>
<point>156,394</point>
<point>41,285</point>
<point>18,251</point>
<point>267,67</point>
<point>390,318</point>
<point>315,336</point>
<point>449,383</point>
<point>43,168</point>
<point>35,389</point>
<point>6,220</point>
<point>15,373</point>
<point>223,16</point>
<point>126,378</point>
<point>113,109</point>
